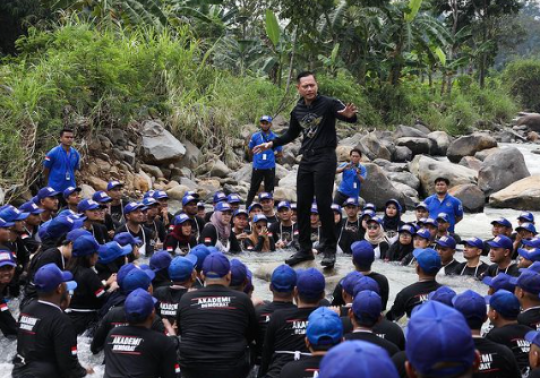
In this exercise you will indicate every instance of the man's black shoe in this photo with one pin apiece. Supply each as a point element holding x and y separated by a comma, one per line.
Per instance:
<point>329,260</point>
<point>299,257</point>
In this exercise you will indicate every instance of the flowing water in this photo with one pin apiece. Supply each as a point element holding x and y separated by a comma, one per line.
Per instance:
<point>262,264</point>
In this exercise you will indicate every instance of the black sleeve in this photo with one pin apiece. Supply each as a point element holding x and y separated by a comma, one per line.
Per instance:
<point>268,346</point>
<point>391,254</point>
<point>337,106</point>
<point>260,244</point>
<point>235,245</point>
<point>100,335</point>
<point>385,292</point>
<point>398,309</point>
<point>161,231</point>
<point>291,134</point>
<point>157,325</point>
<point>8,325</point>
<point>246,243</point>
<point>169,361</point>
<point>338,296</point>
<point>272,244</point>
<point>150,244</point>
<point>274,228</point>
<point>65,339</point>
<point>253,324</point>
<point>208,235</point>
<point>170,242</point>
<point>383,247</point>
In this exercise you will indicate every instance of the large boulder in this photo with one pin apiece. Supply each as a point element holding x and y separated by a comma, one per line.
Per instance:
<point>406,178</point>
<point>289,181</point>
<point>343,153</point>
<point>441,141</point>
<point>403,131</point>
<point>177,192</point>
<point>418,146</point>
<point>471,162</point>
<point>243,174</point>
<point>531,120</point>
<point>372,147</point>
<point>281,172</point>
<point>402,154</point>
<point>158,146</point>
<point>193,155</point>
<point>469,145</point>
<point>215,168</point>
<point>285,194</point>
<point>411,197</point>
<point>522,195</point>
<point>501,169</point>
<point>377,188</point>
<point>472,198</point>
<point>428,169</point>
<point>482,155</point>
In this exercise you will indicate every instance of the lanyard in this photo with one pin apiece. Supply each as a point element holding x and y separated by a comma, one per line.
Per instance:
<point>281,230</point>
<point>475,270</point>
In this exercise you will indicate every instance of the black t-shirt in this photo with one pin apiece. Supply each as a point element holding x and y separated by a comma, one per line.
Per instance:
<point>47,342</point>
<point>399,360</point>
<point>117,213</point>
<point>513,336</point>
<point>51,255</point>
<point>139,352</point>
<point>451,269</point>
<point>106,270</point>
<point>169,297</point>
<point>209,237</point>
<point>398,251</point>
<point>264,314</point>
<point>271,219</point>
<point>349,233</point>
<point>216,325</point>
<point>385,329</point>
<point>306,367</point>
<point>8,325</point>
<point>317,123</point>
<point>384,290</point>
<point>372,338</point>
<point>496,360</point>
<point>463,270</point>
<point>285,233</point>
<point>494,270</point>
<point>179,248</point>
<point>146,236</point>
<point>285,332</point>
<point>410,297</point>
<point>90,292</point>
<point>158,230</point>
<point>530,317</point>
<point>100,233</point>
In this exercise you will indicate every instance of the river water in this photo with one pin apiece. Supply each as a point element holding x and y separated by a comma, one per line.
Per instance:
<point>399,277</point>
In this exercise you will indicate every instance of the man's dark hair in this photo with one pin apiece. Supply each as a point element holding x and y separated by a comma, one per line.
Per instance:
<point>305,74</point>
<point>366,322</point>
<point>475,323</point>
<point>439,179</point>
<point>356,150</point>
<point>66,130</point>
<point>311,300</point>
<point>364,267</point>
<point>324,347</point>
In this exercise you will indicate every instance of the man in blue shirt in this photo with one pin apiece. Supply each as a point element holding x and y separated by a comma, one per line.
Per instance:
<point>61,162</point>
<point>354,175</point>
<point>442,202</point>
<point>264,163</point>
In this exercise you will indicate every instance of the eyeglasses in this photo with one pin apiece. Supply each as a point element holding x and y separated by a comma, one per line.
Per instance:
<point>228,213</point>
<point>373,227</point>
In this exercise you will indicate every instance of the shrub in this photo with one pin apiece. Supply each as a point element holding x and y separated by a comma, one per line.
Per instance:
<point>522,78</point>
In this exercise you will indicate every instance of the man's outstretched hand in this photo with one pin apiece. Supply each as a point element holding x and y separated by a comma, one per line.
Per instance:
<point>261,147</point>
<point>349,110</point>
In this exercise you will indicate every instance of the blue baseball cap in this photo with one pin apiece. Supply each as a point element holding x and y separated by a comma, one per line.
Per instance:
<point>443,217</point>
<point>47,192</point>
<point>534,242</point>
<point>49,276</point>
<point>219,196</point>
<point>31,208</point>
<point>110,251</point>
<point>534,268</point>
<point>366,283</point>
<point>528,282</point>
<point>137,278</point>
<point>367,306</point>
<point>474,242</point>
<point>12,214</point>
<point>284,205</point>
<point>160,194</point>
<point>369,206</point>
<point>7,258</point>
<point>125,238</point>
<point>501,241</point>
<point>362,253</point>
<point>376,219</point>
<point>502,221</point>
<point>310,283</point>
<point>180,219</point>
<point>201,252</point>
<point>428,259</point>
<point>114,184</point>
<point>533,337</point>
<point>238,272</point>
<point>266,118</point>
<point>149,194</point>
<point>67,212</point>
<point>324,327</point>
<point>138,305</point>
<point>438,334</point>
<point>283,279</point>
<point>501,281</point>
<point>527,227</point>
<point>367,213</point>
<point>181,267</point>
<point>349,282</point>
<point>188,199</point>
<point>70,190</point>
<point>216,265</point>
<point>260,218</point>
<point>77,233</point>
<point>443,294</point>
<point>122,273</point>
<point>532,255</point>
<point>527,217</point>
<point>59,226</point>
<point>223,206</point>
<point>314,209</point>
<point>240,212</point>
<point>421,205</point>
<point>233,198</point>
<point>6,224</point>
<point>149,202</point>
<point>447,242</point>
<point>160,260</point>
<point>265,195</point>
<point>85,246</point>
<point>132,206</point>
<point>87,204</point>
<point>191,193</point>
<point>409,228</point>
<point>351,201</point>
<point>336,208</point>
<point>101,197</point>
<point>353,359</point>
<point>505,303</point>
<point>431,222</point>
<point>471,304</point>
<point>254,205</point>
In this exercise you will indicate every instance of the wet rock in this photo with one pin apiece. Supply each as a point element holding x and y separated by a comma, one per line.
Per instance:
<point>469,145</point>
<point>441,141</point>
<point>522,195</point>
<point>377,188</point>
<point>502,168</point>
<point>159,146</point>
<point>471,162</point>
<point>472,198</point>
<point>418,146</point>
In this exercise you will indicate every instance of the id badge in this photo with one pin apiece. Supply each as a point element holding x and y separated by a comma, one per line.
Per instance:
<point>68,176</point>
<point>355,185</point>
<point>264,156</point>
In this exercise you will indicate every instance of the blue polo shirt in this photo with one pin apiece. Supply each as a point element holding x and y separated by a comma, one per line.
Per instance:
<point>62,166</point>
<point>449,205</point>
<point>350,183</point>
<point>266,159</point>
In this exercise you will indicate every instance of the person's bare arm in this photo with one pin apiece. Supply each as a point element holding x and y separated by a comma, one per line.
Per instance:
<point>46,173</point>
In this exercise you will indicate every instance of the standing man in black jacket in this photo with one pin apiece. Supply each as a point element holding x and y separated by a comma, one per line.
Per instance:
<point>315,117</point>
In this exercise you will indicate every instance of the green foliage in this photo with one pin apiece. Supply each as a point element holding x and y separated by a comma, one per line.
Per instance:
<point>522,78</point>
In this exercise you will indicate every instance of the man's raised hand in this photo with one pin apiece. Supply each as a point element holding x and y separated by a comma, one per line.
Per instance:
<point>349,110</point>
<point>261,148</point>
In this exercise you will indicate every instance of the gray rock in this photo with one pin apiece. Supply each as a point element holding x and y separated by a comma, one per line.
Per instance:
<point>423,128</point>
<point>402,154</point>
<point>418,146</point>
<point>403,131</point>
<point>441,141</point>
<point>482,155</point>
<point>469,145</point>
<point>471,162</point>
<point>243,174</point>
<point>289,181</point>
<point>405,178</point>
<point>509,136</point>
<point>215,168</point>
<point>159,146</point>
<point>128,157</point>
<point>152,170</point>
<point>193,155</point>
<point>285,194</point>
<point>118,137</point>
<point>370,146</point>
<point>531,120</point>
<point>353,140</point>
<point>343,153</point>
<point>378,189</point>
<point>281,172</point>
<point>522,195</point>
<point>502,168</point>
<point>472,198</point>
<point>428,169</point>
<point>410,195</point>
<point>289,157</point>
<point>192,185</point>
<point>177,193</point>
<point>388,142</point>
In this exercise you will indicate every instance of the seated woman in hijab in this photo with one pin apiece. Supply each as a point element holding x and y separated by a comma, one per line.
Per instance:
<point>376,237</point>
<point>392,219</point>
<point>260,239</point>
<point>404,245</point>
<point>217,233</point>
<point>181,238</point>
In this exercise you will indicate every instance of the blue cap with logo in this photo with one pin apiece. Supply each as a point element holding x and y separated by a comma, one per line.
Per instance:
<point>240,212</point>
<point>351,201</point>
<point>314,209</point>
<point>253,206</point>
<point>428,259</point>
<point>442,217</point>
<point>283,279</point>
<point>59,226</point>
<point>369,206</point>
<point>125,238</point>
<point>47,192</point>
<point>502,222</point>
<point>70,190</point>
<point>191,193</point>
<point>266,118</point>
<point>87,204</point>
<point>149,194</point>
<point>160,260</point>
<point>201,252</point>
<point>527,227</point>
<point>49,276</point>
<point>188,199</point>
<point>472,305</point>
<point>447,242</point>
<point>139,305</point>
<point>501,241</point>
<point>181,219</point>
<point>324,327</point>
<point>133,206</point>
<point>421,205</point>
<point>353,359</point>
<point>7,258</point>
<point>474,242</point>
<point>260,218</point>
<point>114,184</point>
<point>10,213</point>
<point>534,268</point>
<point>149,202</point>
<point>77,233</point>
<point>443,294</point>
<point>501,281</point>
<point>365,283</point>
<point>527,217</point>
<point>264,196</point>
<point>336,208</point>
<point>349,282</point>
<point>528,281</point>
<point>181,267</point>
<point>284,205</point>
<point>367,306</point>
<point>439,341</point>
<point>31,208</point>
<point>137,278</point>
<point>219,196</point>
<point>101,197</point>
<point>238,272</point>
<point>216,265</point>
<point>111,251</point>
<point>534,242</point>
<point>533,337</point>
<point>234,198</point>
<point>85,246</point>
<point>430,222</point>
<point>160,194</point>
<point>6,224</point>
<point>532,255</point>
<point>506,304</point>
<point>367,213</point>
<point>408,228</point>
<point>223,206</point>
<point>122,273</point>
<point>375,219</point>
<point>310,283</point>
<point>362,253</point>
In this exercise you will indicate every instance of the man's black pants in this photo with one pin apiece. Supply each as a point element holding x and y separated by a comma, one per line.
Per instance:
<point>257,176</point>
<point>316,178</point>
